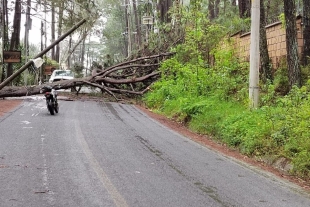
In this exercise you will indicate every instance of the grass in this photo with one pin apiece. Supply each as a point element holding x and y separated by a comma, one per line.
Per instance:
<point>279,128</point>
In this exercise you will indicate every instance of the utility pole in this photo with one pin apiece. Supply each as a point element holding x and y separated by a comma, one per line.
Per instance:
<point>254,55</point>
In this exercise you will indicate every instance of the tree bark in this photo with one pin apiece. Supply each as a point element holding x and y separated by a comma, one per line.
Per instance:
<point>211,10</point>
<point>293,66</point>
<point>128,27</point>
<point>83,51</point>
<point>27,28</point>
<point>115,79</point>
<point>72,48</point>
<point>163,8</point>
<point>24,67</point>
<point>217,8</point>
<point>5,34</point>
<point>53,30</point>
<point>266,72</point>
<point>59,30</point>
<point>244,8</point>
<point>137,24</point>
<point>15,38</point>
<point>306,32</point>
<point>69,49</point>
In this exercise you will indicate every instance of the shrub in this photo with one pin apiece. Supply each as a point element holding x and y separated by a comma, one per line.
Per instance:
<point>213,99</point>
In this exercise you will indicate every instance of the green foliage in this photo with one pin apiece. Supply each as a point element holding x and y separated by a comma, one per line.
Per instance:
<point>113,34</point>
<point>78,70</point>
<point>51,62</point>
<point>214,101</point>
<point>19,80</point>
<point>281,81</point>
<point>201,36</point>
<point>235,23</point>
<point>282,19</point>
<point>305,74</point>
<point>205,87</point>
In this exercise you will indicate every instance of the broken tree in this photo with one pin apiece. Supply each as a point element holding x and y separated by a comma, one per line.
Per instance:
<point>129,77</point>
<point>29,63</point>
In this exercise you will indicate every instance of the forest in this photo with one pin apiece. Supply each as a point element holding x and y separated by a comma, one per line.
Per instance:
<point>177,56</point>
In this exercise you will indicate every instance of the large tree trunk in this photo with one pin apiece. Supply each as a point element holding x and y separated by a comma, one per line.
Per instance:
<point>293,66</point>
<point>163,8</point>
<point>211,9</point>
<point>53,30</point>
<point>130,77</point>
<point>266,72</point>
<point>27,28</point>
<point>59,30</point>
<point>72,49</point>
<point>273,9</point>
<point>69,49</point>
<point>5,35</point>
<point>137,24</point>
<point>83,51</point>
<point>217,8</point>
<point>306,32</point>
<point>15,38</point>
<point>29,63</point>
<point>244,8</point>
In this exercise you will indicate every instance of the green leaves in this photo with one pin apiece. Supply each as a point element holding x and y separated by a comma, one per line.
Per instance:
<point>206,88</point>
<point>213,101</point>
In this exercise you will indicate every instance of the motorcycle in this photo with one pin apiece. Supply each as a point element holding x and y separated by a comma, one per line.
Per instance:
<point>51,99</point>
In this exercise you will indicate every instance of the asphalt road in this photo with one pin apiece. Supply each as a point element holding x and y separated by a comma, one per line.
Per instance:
<point>109,154</point>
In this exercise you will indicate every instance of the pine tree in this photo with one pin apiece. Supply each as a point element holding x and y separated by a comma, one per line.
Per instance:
<point>293,66</point>
<point>306,31</point>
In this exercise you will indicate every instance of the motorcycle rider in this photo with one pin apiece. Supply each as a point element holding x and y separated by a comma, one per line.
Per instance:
<point>53,92</point>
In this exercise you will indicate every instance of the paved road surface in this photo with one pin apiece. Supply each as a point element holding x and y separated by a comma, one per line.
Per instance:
<point>108,154</point>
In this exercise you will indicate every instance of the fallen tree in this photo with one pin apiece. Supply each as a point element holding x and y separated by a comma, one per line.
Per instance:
<point>43,52</point>
<point>129,77</point>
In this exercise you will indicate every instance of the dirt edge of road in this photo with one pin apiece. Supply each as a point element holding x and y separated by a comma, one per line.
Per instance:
<point>225,150</point>
<point>8,105</point>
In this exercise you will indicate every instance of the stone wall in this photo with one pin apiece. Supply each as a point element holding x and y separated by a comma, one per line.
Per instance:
<point>276,41</point>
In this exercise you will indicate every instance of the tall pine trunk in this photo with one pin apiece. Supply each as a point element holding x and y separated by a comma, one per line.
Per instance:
<point>83,49</point>
<point>266,72</point>
<point>59,29</point>
<point>53,30</point>
<point>137,24</point>
<point>211,10</point>
<point>306,32</point>
<point>293,66</point>
<point>5,34</point>
<point>163,8</point>
<point>217,8</point>
<point>244,8</point>
<point>15,40</point>
<point>69,49</point>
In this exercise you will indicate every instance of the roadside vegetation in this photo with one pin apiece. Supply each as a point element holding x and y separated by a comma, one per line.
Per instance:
<point>211,98</point>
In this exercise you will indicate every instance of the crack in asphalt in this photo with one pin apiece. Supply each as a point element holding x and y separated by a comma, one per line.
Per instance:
<point>210,191</point>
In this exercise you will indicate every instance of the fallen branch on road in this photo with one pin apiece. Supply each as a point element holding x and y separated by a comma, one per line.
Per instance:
<point>132,77</point>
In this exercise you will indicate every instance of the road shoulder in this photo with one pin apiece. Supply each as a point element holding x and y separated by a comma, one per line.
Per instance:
<point>7,105</point>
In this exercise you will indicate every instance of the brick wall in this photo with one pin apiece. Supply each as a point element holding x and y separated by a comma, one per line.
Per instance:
<point>276,41</point>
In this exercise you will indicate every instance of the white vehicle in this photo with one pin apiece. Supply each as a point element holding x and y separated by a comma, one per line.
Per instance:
<point>58,75</point>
